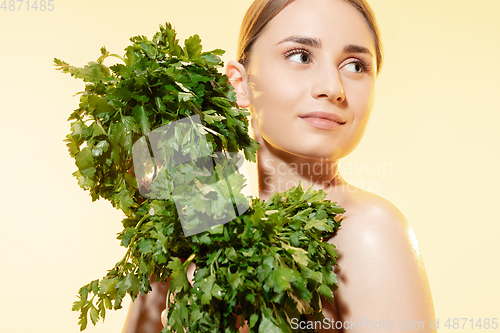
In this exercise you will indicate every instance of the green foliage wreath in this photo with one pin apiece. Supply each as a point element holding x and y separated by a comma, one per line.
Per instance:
<point>268,265</point>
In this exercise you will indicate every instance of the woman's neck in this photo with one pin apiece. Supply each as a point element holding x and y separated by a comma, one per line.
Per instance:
<point>278,171</point>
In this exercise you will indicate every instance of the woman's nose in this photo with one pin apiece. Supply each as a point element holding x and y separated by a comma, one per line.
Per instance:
<point>328,84</point>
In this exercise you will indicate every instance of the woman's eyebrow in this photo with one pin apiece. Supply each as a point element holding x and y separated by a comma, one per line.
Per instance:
<point>357,49</point>
<point>309,41</point>
<point>315,42</point>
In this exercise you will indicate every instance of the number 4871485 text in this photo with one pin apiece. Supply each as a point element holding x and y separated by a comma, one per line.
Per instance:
<point>27,5</point>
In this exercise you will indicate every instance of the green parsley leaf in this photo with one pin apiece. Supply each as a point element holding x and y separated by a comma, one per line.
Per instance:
<point>269,265</point>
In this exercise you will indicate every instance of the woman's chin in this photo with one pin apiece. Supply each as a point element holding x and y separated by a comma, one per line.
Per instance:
<point>311,152</point>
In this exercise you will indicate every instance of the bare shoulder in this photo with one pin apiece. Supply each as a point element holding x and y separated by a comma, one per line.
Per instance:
<point>381,273</point>
<point>370,216</point>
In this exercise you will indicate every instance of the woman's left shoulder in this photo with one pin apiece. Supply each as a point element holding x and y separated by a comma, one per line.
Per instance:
<point>381,273</point>
<point>374,227</point>
<point>370,212</point>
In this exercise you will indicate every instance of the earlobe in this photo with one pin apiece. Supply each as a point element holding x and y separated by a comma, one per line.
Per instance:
<point>238,78</point>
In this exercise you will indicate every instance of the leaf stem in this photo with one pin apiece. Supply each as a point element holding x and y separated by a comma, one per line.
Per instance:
<point>189,259</point>
<point>130,245</point>
<point>144,218</point>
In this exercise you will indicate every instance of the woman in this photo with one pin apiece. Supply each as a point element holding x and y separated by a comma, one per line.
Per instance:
<point>307,71</point>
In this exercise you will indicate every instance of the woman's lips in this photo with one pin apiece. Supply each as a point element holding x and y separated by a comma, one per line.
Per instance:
<point>322,123</point>
<point>323,120</point>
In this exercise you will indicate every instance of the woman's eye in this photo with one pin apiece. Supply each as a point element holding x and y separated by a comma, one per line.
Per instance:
<point>301,58</point>
<point>355,67</point>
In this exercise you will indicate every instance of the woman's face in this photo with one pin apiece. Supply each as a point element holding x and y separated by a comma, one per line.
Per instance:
<point>311,79</point>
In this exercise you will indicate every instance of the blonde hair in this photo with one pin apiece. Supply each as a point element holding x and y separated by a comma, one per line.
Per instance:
<point>263,11</point>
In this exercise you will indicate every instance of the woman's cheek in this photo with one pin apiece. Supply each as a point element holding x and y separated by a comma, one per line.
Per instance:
<point>271,127</point>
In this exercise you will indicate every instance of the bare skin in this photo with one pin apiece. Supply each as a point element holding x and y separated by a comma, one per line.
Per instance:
<point>318,55</point>
<point>144,315</point>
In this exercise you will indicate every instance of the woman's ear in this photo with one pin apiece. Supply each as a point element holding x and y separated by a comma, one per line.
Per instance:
<point>238,78</point>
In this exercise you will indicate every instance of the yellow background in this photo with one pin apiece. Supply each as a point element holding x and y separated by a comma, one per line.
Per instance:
<point>434,127</point>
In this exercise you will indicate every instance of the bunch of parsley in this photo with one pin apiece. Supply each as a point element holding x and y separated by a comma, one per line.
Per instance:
<point>268,265</point>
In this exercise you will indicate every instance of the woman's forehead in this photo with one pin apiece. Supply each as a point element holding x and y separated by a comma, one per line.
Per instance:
<point>329,21</point>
